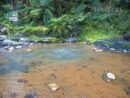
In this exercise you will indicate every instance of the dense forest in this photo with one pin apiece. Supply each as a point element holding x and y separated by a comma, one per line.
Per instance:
<point>84,19</point>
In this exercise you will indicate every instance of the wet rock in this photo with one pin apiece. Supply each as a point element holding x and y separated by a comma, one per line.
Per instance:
<point>22,81</point>
<point>13,94</point>
<point>97,49</point>
<point>73,39</point>
<point>32,94</point>
<point>11,49</point>
<point>23,39</point>
<point>2,39</point>
<point>46,40</point>
<point>53,87</point>
<point>126,36</point>
<point>1,96</point>
<point>2,29</point>
<point>127,90</point>
<point>84,97</point>
<point>19,37</point>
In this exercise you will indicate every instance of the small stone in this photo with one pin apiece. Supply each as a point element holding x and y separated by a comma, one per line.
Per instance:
<point>53,86</point>
<point>129,72</point>
<point>110,76</point>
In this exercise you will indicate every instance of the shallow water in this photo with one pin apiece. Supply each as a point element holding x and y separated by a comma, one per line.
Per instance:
<point>76,68</point>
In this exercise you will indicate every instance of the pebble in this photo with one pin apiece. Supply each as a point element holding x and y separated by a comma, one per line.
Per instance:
<point>53,87</point>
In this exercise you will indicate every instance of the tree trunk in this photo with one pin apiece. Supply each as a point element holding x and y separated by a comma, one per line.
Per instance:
<point>14,3</point>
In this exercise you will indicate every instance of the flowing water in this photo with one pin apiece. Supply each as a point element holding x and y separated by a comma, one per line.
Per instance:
<point>75,68</point>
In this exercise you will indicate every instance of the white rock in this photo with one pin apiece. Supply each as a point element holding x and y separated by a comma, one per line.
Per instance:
<point>18,47</point>
<point>110,76</point>
<point>97,50</point>
<point>125,51</point>
<point>23,39</point>
<point>113,49</point>
<point>11,49</point>
<point>53,86</point>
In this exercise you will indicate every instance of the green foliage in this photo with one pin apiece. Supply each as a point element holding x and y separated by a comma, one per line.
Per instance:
<point>35,38</point>
<point>7,7</point>
<point>65,18</point>
<point>45,2</point>
<point>98,31</point>
<point>53,39</point>
<point>35,12</point>
<point>65,25</point>
<point>29,30</point>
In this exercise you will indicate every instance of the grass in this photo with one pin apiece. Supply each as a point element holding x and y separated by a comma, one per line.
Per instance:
<point>92,35</point>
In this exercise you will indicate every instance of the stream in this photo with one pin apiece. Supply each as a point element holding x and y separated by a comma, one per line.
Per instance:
<point>75,67</point>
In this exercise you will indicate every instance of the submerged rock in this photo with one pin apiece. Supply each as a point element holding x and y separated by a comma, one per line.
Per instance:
<point>32,94</point>
<point>128,91</point>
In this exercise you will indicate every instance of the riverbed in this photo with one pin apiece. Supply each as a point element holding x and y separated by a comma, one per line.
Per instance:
<point>76,68</point>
